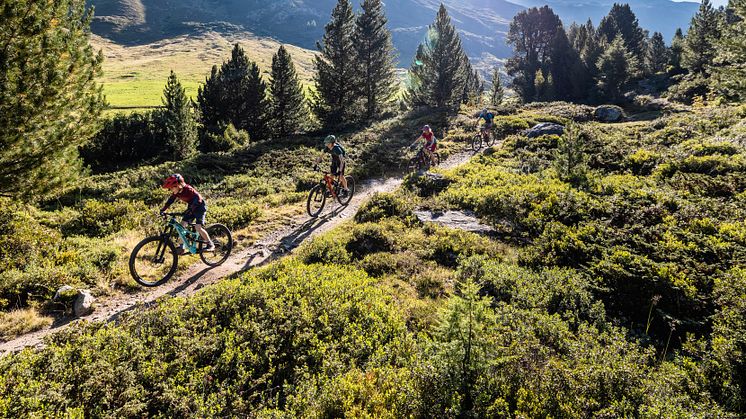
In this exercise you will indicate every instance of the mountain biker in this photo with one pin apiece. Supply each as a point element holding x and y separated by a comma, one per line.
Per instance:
<point>196,208</point>
<point>338,154</point>
<point>489,119</point>
<point>430,143</point>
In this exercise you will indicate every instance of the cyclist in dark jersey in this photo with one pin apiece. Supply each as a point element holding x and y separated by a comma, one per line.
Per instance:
<point>196,207</point>
<point>489,120</point>
<point>338,155</point>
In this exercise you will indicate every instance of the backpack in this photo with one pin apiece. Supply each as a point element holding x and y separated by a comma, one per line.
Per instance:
<point>342,149</point>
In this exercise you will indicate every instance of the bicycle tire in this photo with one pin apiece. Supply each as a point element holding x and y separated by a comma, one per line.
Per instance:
<point>351,188</point>
<point>476,142</point>
<point>436,158</point>
<point>491,140</point>
<point>138,274</point>
<point>412,165</point>
<point>222,239</point>
<point>316,195</point>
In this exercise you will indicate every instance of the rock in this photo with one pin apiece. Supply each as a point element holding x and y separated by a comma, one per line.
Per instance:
<point>545,128</point>
<point>83,303</point>
<point>608,113</point>
<point>65,293</point>
<point>461,220</point>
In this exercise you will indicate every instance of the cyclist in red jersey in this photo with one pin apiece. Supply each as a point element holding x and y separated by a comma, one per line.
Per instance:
<point>196,207</point>
<point>430,145</point>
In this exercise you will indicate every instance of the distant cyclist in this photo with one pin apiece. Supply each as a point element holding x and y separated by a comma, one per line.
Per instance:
<point>196,208</point>
<point>339,155</point>
<point>430,143</point>
<point>489,120</point>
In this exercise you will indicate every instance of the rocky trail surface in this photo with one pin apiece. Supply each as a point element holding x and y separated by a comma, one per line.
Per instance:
<point>271,247</point>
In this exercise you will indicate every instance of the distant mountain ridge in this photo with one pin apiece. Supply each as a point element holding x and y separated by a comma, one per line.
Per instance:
<point>483,24</point>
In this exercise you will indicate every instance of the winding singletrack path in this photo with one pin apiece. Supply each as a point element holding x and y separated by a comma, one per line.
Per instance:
<point>271,247</point>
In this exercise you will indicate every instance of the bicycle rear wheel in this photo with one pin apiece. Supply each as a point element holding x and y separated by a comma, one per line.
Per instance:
<point>222,239</point>
<point>153,261</point>
<point>436,159</point>
<point>476,142</point>
<point>316,200</point>
<point>351,190</point>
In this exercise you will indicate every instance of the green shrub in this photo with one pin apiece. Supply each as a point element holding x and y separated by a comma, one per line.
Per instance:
<point>97,218</point>
<point>369,238</point>
<point>233,213</point>
<point>383,205</point>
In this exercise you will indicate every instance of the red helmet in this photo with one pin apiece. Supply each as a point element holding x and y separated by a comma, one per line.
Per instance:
<point>173,180</point>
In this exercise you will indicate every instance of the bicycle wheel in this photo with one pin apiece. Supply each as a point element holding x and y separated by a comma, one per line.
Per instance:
<point>153,261</point>
<point>491,140</point>
<point>222,239</point>
<point>412,165</point>
<point>316,200</point>
<point>351,191</point>
<point>436,159</point>
<point>476,142</point>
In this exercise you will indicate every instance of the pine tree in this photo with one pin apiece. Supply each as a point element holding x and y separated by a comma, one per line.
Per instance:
<point>657,54</point>
<point>730,73</point>
<point>438,73</point>
<point>375,58</point>
<point>531,34</point>
<point>178,124</point>
<point>336,70</point>
<point>700,41</point>
<point>615,68</point>
<point>235,94</point>
<point>621,21</point>
<point>50,102</point>
<point>676,52</point>
<point>566,69</point>
<point>288,103</point>
<point>497,93</point>
<point>256,105</point>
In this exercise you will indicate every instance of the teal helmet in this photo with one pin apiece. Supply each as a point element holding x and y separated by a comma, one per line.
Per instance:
<point>330,139</point>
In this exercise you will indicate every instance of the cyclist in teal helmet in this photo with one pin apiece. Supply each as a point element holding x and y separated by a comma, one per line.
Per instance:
<point>338,155</point>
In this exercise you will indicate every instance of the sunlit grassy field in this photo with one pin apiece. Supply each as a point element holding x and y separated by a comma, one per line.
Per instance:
<point>134,76</point>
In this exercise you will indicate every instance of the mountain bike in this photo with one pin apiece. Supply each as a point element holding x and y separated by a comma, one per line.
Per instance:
<point>154,260</point>
<point>422,162</point>
<point>328,187</point>
<point>484,136</point>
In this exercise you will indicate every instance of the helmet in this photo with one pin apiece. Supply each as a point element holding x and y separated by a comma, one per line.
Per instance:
<point>484,110</point>
<point>330,139</point>
<point>173,180</point>
<point>426,128</point>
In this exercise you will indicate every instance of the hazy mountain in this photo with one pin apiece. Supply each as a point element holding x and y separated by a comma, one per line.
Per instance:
<point>482,23</point>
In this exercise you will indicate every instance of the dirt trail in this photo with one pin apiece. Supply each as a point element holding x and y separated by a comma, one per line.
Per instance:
<point>272,246</point>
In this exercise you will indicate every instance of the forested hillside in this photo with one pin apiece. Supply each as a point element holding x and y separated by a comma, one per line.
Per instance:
<point>583,256</point>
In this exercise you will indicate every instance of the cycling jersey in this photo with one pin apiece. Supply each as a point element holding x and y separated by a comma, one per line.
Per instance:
<point>187,194</point>
<point>430,140</point>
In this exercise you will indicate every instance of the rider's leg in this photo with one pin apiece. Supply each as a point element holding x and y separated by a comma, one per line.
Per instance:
<point>342,180</point>
<point>204,235</point>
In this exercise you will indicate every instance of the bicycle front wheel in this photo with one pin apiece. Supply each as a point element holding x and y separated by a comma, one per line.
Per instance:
<point>476,142</point>
<point>222,239</point>
<point>351,190</point>
<point>316,201</point>
<point>153,261</point>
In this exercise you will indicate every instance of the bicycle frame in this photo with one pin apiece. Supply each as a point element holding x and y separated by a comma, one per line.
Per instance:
<point>329,182</point>
<point>188,237</point>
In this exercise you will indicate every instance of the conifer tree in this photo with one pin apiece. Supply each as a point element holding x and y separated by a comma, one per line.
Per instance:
<point>235,94</point>
<point>50,101</point>
<point>730,74</point>
<point>178,123</point>
<point>336,70</point>
<point>497,92</point>
<point>375,58</point>
<point>531,34</point>
<point>438,73</point>
<point>656,57</point>
<point>288,102</point>
<point>615,68</point>
<point>621,21</point>
<point>700,41</point>
<point>676,52</point>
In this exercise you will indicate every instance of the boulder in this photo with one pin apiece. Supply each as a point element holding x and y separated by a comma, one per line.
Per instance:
<point>545,128</point>
<point>608,113</point>
<point>83,303</point>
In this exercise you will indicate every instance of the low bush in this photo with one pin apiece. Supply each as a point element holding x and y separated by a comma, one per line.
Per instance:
<point>384,205</point>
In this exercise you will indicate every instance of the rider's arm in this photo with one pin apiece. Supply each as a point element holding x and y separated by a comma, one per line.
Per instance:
<point>168,203</point>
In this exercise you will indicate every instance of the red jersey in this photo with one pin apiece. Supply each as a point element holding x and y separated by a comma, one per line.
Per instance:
<point>429,140</point>
<point>187,194</point>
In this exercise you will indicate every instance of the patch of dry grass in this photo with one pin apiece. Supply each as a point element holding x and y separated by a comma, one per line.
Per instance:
<point>19,322</point>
